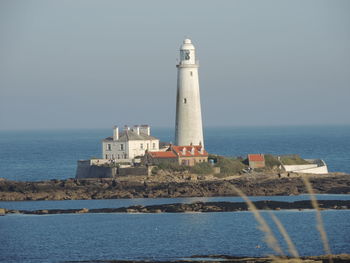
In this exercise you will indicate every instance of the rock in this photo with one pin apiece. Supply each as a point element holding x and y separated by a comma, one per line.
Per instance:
<point>129,210</point>
<point>196,207</point>
<point>82,211</point>
<point>171,185</point>
<point>13,212</point>
<point>2,211</point>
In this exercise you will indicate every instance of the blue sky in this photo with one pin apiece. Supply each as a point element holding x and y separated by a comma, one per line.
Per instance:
<point>94,64</point>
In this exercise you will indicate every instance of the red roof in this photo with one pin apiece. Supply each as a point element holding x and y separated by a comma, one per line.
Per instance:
<point>168,154</point>
<point>256,157</point>
<point>189,151</point>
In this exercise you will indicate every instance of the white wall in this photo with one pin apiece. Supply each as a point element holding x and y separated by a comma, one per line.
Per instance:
<point>317,170</point>
<point>291,168</point>
<point>130,148</point>
<point>115,150</point>
<point>307,168</point>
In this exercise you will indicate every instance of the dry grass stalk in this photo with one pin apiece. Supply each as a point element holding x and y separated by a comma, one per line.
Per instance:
<point>320,226</point>
<point>270,239</point>
<point>291,248</point>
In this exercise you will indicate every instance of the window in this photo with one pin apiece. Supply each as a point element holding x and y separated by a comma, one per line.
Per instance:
<point>118,156</point>
<point>122,147</point>
<point>191,73</point>
<point>154,145</point>
<point>106,156</point>
<point>109,147</point>
<point>185,100</point>
<point>125,156</point>
<point>141,146</point>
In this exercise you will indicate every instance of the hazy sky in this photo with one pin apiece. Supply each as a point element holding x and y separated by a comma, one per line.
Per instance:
<point>93,64</point>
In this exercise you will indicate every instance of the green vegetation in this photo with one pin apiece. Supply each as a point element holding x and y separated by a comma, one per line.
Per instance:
<point>229,165</point>
<point>202,168</point>
<point>293,159</point>
<point>171,166</point>
<point>199,168</point>
<point>271,161</point>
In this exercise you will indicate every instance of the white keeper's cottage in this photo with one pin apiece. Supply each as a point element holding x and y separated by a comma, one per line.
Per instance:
<point>128,144</point>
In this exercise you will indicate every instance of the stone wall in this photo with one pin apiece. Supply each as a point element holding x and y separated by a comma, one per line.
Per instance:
<point>86,170</point>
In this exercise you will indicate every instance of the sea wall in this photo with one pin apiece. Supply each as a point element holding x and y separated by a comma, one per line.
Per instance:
<point>296,167</point>
<point>318,167</point>
<point>308,169</point>
<point>86,170</point>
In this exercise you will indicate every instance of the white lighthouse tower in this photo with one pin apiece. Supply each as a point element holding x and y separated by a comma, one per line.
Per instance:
<point>188,127</point>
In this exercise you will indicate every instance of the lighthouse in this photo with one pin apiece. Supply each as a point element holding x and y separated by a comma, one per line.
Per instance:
<point>188,126</point>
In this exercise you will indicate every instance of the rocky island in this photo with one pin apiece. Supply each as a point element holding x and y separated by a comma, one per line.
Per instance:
<point>171,186</point>
<point>197,207</point>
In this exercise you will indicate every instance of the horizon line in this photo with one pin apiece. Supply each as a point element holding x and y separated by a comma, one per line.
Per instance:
<point>172,127</point>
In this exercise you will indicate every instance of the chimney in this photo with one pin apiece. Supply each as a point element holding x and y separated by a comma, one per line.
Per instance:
<point>145,129</point>
<point>184,150</point>
<point>192,150</point>
<point>137,129</point>
<point>115,133</point>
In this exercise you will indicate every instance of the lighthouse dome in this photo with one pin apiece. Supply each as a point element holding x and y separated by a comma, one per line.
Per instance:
<point>187,44</point>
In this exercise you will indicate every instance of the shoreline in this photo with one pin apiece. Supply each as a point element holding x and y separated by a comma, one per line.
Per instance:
<point>197,207</point>
<point>88,189</point>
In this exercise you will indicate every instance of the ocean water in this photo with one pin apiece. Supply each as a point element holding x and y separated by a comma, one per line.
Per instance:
<point>43,155</point>
<point>46,154</point>
<point>92,237</point>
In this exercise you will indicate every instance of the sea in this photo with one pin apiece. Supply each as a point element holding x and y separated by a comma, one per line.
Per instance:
<point>36,155</point>
<point>47,154</point>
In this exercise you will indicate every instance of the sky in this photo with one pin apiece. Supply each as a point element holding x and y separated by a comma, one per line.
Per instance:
<point>95,64</point>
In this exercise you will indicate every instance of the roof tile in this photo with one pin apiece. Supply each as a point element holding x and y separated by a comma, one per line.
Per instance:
<point>168,154</point>
<point>189,151</point>
<point>256,157</point>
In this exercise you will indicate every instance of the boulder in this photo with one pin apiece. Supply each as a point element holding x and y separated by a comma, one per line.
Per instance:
<point>83,211</point>
<point>2,211</point>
